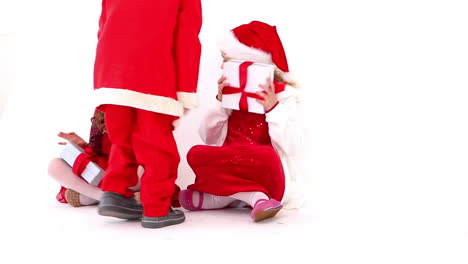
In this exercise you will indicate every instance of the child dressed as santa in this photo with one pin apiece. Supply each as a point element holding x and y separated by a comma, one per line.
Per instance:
<point>253,157</point>
<point>145,75</point>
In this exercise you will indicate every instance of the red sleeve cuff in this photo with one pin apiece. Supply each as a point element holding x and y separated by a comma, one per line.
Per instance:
<point>272,107</point>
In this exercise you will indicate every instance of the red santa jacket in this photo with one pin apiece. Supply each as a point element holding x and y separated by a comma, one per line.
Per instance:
<point>148,54</point>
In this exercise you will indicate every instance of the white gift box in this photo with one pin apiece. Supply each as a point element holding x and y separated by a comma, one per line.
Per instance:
<point>257,74</point>
<point>92,173</point>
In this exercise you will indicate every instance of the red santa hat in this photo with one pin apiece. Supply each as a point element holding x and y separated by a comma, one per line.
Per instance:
<point>256,42</point>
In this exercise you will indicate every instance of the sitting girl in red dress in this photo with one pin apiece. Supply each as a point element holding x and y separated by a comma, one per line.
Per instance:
<point>75,190</point>
<point>253,160</point>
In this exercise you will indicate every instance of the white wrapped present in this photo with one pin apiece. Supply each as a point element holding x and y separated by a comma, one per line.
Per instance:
<point>244,79</point>
<point>92,173</point>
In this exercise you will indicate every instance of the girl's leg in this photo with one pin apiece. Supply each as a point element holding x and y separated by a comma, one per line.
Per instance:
<point>195,200</point>
<point>200,200</point>
<point>62,173</point>
<point>211,201</point>
<point>250,198</point>
<point>262,206</point>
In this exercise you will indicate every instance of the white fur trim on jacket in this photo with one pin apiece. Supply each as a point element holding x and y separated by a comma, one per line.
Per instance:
<point>285,129</point>
<point>188,100</point>
<point>234,49</point>
<point>149,102</point>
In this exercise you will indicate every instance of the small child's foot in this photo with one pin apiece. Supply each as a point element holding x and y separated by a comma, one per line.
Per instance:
<point>265,209</point>
<point>72,197</point>
<point>186,200</point>
<point>137,196</point>
<point>173,217</point>
<point>117,205</point>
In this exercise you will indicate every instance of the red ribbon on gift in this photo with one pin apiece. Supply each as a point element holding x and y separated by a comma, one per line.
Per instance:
<point>85,158</point>
<point>80,165</point>
<point>243,70</point>
<point>243,75</point>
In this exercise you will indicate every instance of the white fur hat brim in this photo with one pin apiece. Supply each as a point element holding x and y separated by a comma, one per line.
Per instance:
<point>234,49</point>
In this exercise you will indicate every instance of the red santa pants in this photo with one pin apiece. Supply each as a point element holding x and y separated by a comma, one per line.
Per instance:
<point>143,138</point>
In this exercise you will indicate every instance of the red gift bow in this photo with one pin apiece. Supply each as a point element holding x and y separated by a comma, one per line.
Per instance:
<point>80,165</point>
<point>85,158</point>
<point>243,75</point>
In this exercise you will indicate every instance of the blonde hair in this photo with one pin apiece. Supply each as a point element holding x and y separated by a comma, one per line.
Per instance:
<point>278,76</point>
<point>98,120</point>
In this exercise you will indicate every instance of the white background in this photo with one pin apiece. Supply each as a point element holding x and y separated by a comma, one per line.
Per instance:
<point>385,88</point>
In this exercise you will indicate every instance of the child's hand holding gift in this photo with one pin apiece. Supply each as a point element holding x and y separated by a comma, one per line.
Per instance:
<point>270,99</point>
<point>221,84</point>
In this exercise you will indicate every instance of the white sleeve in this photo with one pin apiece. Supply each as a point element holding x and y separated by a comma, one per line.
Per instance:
<point>285,126</point>
<point>212,129</point>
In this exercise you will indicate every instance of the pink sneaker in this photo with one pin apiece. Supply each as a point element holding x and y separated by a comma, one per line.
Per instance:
<point>186,200</point>
<point>265,210</point>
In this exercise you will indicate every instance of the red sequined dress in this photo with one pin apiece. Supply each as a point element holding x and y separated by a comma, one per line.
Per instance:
<point>246,162</point>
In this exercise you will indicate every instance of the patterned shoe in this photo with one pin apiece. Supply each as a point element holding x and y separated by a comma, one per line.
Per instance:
<point>265,209</point>
<point>172,218</point>
<point>117,205</point>
<point>72,198</point>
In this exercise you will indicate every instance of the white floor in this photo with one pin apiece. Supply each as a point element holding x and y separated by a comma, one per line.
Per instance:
<point>36,227</point>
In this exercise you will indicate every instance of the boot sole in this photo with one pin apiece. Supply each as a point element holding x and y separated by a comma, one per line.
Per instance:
<point>262,215</point>
<point>119,212</point>
<point>162,223</point>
